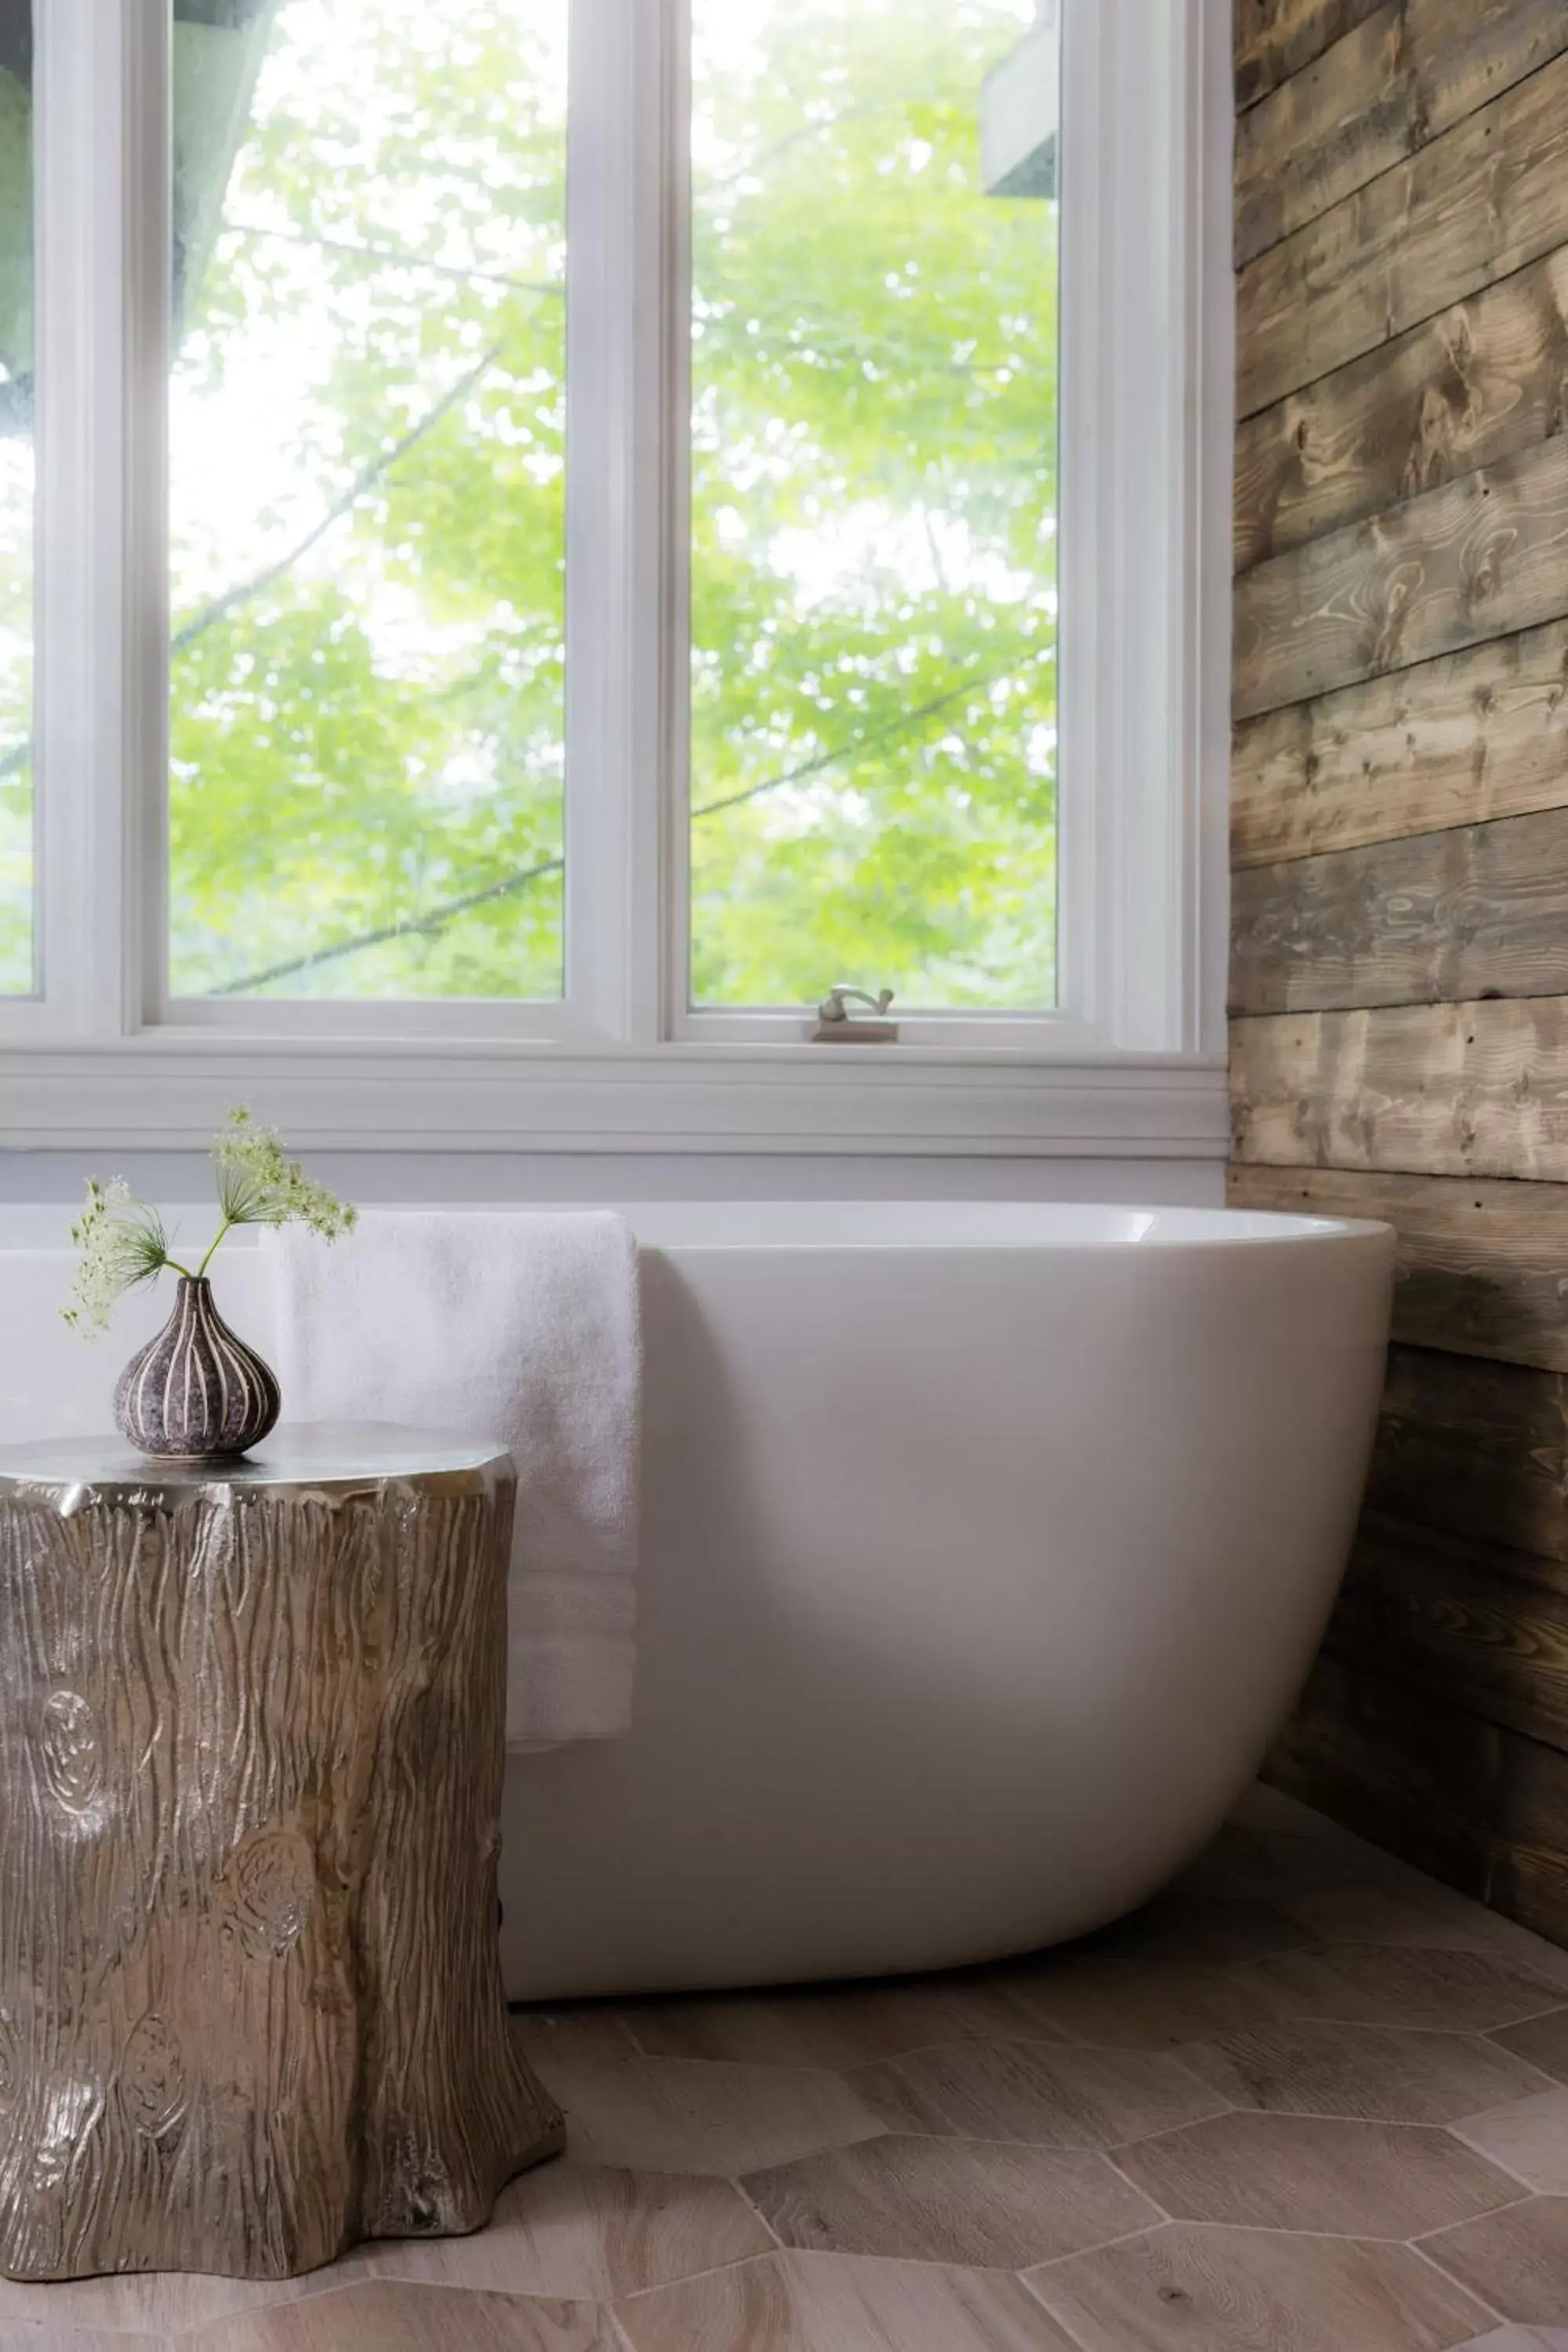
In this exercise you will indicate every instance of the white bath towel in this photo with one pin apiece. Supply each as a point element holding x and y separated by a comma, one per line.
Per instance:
<point>518,1327</point>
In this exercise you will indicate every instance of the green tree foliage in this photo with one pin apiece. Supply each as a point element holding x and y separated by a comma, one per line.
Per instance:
<point>873,493</point>
<point>376,730</point>
<point>369,434</point>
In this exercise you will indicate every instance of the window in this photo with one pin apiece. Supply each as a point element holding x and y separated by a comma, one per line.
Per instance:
<point>566,528</point>
<point>366,688</point>
<point>873,503</point>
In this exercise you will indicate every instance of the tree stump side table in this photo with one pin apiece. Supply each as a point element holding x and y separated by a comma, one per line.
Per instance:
<point>251,1748</point>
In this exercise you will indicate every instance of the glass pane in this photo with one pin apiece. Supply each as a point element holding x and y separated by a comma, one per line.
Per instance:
<point>367,446</point>
<point>874,404</point>
<point>16,972</point>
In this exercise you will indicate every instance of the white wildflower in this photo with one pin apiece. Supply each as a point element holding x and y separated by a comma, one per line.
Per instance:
<point>121,1244</point>
<point>258,1185</point>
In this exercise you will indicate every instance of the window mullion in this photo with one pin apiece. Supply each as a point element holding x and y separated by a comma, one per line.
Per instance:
<point>614,588</point>
<point>100,115</point>
<point>148,264</point>
<point>674,519</point>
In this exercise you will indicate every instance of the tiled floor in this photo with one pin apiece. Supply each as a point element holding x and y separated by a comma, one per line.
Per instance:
<point>1308,2102</point>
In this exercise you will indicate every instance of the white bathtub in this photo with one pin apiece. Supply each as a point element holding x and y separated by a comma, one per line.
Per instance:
<point>984,1546</point>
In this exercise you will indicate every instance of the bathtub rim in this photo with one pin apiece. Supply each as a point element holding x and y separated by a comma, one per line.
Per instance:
<point>911,1227</point>
<point>995,1228</point>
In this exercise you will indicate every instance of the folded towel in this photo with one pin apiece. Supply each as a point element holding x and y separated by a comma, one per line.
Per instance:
<point>518,1327</point>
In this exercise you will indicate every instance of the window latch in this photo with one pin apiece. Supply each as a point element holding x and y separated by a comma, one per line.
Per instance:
<point>837,1025</point>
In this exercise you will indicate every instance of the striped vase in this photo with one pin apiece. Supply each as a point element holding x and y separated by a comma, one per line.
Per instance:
<point>196,1393</point>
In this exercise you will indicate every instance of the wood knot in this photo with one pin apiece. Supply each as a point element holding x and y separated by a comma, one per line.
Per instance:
<point>153,2087</point>
<point>270,1892</point>
<point>72,1750</point>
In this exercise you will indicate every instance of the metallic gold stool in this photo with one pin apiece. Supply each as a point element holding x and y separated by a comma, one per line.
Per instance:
<point>251,1732</point>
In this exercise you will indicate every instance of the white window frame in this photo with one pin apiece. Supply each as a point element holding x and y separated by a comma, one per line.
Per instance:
<point>1133,1062</point>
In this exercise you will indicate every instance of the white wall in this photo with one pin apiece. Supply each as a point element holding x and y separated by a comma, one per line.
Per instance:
<point>428,1180</point>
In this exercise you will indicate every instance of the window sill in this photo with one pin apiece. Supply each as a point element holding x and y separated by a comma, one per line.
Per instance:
<point>166,1090</point>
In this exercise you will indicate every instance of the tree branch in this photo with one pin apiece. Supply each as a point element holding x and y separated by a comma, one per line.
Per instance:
<point>365,479</point>
<point>410,927</point>
<point>244,589</point>
<point>396,253</point>
<point>437,917</point>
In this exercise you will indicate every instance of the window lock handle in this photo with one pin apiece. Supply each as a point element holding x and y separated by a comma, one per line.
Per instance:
<point>837,1025</point>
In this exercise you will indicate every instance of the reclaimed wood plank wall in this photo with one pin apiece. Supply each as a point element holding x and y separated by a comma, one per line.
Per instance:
<point>1400,863</point>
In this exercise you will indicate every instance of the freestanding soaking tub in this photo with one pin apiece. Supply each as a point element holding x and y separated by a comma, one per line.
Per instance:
<point>984,1548</point>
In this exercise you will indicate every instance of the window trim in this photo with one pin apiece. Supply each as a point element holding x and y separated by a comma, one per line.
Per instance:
<point>1143,683</point>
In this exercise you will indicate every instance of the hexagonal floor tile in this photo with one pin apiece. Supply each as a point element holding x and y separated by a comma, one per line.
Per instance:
<point>1187,1925</point>
<point>584,2034</point>
<point>1528,2137</point>
<point>1183,2289</point>
<point>1376,2073</point>
<point>974,2203</point>
<point>1123,2004</point>
<point>591,2233</point>
<point>1370,1984</point>
<point>1054,2095</point>
<point>1266,1865</point>
<point>385,2317</point>
<point>1520,2339</point>
<point>1272,1812</point>
<point>822,2303</point>
<point>680,2115</point>
<point>1298,2172</point>
<point>1414,1910</point>
<point>158,2303</point>
<point>1518,2261</point>
<point>43,2335</point>
<point>839,2029</point>
<point>1542,2041</point>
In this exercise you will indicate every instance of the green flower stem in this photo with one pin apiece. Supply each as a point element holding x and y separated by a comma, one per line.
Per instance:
<point>207,1261</point>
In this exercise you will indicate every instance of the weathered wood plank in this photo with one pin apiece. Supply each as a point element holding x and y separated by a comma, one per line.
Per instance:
<point>1400,835</point>
<point>1482,1266</point>
<point>1478,1806</point>
<point>1479,1448</point>
<point>1403,1768</point>
<point>1470,736</point>
<point>1481,911</point>
<point>1301,148</point>
<point>1475,1623</point>
<point>1484,378</point>
<point>1474,559</point>
<point>1482,200</point>
<point>1274,38</point>
<point>1443,1089</point>
<point>1528,1878</point>
<point>1400,77</point>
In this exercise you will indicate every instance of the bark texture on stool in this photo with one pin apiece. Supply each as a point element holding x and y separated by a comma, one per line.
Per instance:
<point>251,1749</point>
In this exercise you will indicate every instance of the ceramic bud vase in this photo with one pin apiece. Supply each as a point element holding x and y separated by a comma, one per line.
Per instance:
<point>196,1393</point>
